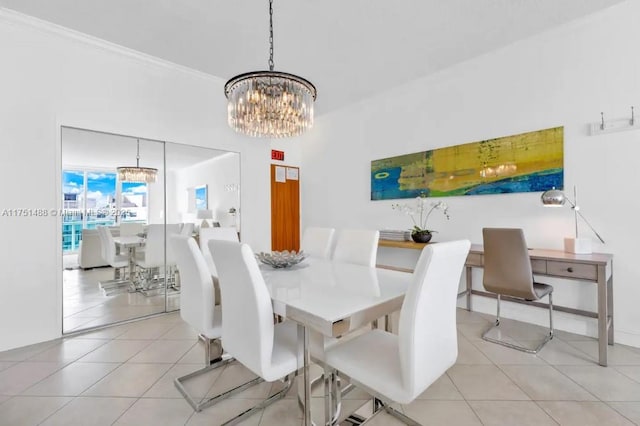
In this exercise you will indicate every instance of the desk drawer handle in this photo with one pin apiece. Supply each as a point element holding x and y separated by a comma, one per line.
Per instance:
<point>569,269</point>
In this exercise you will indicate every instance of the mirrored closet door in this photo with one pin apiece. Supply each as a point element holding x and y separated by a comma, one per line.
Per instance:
<point>123,197</point>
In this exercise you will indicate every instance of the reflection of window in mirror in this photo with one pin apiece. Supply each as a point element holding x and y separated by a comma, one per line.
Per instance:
<point>134,202</point>
<point>89,201</point>
<point>201,198</point>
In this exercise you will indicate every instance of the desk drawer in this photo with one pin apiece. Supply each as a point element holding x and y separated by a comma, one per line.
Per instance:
<point>474,259</point>
<point>573,270</point>
<point>539,266</point>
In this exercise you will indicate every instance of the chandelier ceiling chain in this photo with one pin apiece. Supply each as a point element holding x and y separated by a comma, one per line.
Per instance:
<point>271,35</point>
<point>138,153</point>
<point>271,104</point>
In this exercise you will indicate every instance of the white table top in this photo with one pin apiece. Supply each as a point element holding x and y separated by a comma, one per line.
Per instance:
<point>129,241</point>
<point>334,298</point>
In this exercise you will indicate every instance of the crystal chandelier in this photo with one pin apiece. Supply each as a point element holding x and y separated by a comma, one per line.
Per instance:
<point>270,103</point>
<point>137,173</point>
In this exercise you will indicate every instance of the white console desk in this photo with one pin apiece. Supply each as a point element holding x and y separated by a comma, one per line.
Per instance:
<point>596,268</point>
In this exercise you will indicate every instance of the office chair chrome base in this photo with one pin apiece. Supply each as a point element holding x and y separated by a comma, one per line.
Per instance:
<point>496,325</point>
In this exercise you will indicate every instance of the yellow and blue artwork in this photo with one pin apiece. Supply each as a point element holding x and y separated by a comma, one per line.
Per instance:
<point>528,162</point>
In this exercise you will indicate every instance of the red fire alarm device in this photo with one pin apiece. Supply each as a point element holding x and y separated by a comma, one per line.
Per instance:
<point>277,155</point>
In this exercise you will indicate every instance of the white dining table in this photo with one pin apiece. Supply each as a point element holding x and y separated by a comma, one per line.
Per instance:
<point>333,299</point>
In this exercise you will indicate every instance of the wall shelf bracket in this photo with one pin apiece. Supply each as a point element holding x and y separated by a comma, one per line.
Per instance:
<point>611,126</point>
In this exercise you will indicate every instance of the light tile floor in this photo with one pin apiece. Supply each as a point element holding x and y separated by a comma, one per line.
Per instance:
<point>85,305</point>
<point>123,375</point>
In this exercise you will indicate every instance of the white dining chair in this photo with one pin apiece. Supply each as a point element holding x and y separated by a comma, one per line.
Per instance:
<point>358,246</point>
<point>398,368</point>
<point>152,262</point>
<point>131,228</point>
<point>317,242</point>
<point>219,233</point>
<point>248,331</point>
<point>197,308</point>
<point>108,250</point>
<point>118,262</point>
<point>187,229</point>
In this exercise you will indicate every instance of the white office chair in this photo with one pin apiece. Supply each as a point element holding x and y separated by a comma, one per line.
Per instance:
<point>197,309</point>
<point>317,242</point>
<point>131,228</point>
<point>248,331</point>
<point>358,246</point>
<point>152,262</point>
<point>398,368</point>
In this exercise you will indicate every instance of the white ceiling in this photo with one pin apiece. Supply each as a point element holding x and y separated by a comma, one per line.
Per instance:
<point>350,49</point>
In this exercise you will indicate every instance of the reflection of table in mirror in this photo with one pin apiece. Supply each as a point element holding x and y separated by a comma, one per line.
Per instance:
<point>129,243</point>
<point>332,299</point>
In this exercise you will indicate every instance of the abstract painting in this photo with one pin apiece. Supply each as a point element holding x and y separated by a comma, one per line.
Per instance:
<point>528,162</point>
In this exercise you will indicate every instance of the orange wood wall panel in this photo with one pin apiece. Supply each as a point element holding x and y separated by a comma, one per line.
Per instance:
<point>285,212</point>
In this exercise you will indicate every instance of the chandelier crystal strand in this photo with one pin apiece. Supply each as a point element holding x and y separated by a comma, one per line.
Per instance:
<point>270,103</point>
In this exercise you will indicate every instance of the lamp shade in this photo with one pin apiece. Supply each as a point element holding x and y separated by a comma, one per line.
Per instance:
<point>553,198</point>
<point>557,198</point>
<point>205,214</point>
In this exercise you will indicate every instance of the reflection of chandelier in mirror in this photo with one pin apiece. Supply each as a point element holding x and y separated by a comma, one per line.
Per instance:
<point>270,103</point>
<point>137,173</point>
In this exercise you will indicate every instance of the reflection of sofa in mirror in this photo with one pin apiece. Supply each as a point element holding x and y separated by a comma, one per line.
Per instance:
<point>90,254</point>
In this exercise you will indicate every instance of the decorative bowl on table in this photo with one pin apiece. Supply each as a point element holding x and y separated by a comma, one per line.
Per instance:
<point>281,259</point>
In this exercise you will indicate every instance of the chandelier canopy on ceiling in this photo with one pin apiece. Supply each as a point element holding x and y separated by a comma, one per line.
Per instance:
<point>137,173</point>
<point>270,103</point>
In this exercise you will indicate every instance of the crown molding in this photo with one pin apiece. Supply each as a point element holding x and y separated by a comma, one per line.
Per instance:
<point>20,19</point>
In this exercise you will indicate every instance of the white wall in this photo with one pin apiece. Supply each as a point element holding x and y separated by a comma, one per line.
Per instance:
<point>219,174</point>
<point>564,77</point>
<point>51,77</point>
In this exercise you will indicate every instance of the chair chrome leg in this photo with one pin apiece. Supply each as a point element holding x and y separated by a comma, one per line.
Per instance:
<point>513,346</point>
<point>551,315</point>
<point>329,396</point>
<point>198,406</point>
<point>213,359</point>
<point>400,416</point>
<point>273,398</point>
